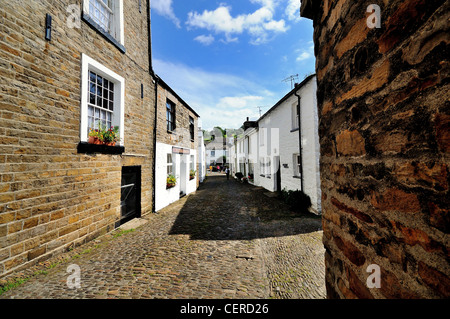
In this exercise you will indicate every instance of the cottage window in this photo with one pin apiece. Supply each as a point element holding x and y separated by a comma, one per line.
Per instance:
<point>297,165</point>
<point>262,166</point>
<point>106,16</point>
<point>191,127</point>
<point>102,13</point>
<point>169,164</point>
<point>102,98</point>
<point>192,167</point>
<point>170,115</point>
<point>261,137</point>
<point>101,101</point>
<point>295,116</point>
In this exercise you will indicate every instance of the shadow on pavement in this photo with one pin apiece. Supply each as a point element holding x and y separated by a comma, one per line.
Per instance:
<point>224,209</point>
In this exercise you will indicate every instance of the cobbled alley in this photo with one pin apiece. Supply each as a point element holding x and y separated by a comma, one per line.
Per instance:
<point>227,240</point>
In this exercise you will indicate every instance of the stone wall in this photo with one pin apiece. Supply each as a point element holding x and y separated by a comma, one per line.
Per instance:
<point>180,136</point>
<point>384,112</point>
<point>51,196</point>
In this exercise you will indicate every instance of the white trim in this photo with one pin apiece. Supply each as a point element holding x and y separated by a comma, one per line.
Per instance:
<point>87,63</point>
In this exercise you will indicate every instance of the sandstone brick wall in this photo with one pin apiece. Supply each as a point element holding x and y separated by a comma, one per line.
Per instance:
<point>52,197</point>
<point>180,136</point>
<point>383,98</point>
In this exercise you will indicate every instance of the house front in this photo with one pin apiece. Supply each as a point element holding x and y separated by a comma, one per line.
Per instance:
<point>68,69</point>
<point>176,160</point>
<point>284,162</point>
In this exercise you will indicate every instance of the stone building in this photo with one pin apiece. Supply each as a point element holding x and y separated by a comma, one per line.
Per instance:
<point>65,66</point>
<point>383,99</point>
<point>176,146</point>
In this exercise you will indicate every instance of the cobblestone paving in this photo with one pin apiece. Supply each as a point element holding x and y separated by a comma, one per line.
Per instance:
<point>227,240</point>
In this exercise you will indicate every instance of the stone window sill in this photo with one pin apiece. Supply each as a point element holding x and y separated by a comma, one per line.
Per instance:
<point>86,148</point>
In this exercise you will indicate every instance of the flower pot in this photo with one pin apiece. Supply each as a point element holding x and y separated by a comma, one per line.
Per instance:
<point>91,140</point>
<point>111,143</point>
<point>97,141</point>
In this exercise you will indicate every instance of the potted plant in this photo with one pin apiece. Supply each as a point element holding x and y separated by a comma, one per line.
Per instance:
<point>95,136</point>
<point>191,174</point>
<point>110,136</point>
<point>171,181</point>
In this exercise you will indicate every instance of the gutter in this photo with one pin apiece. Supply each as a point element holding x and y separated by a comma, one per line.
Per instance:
<point>300,139</point>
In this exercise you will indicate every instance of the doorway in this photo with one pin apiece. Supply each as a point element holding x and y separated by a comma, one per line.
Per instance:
<point>278,173</point>
<point>183,174</point>
<point>130,194</point>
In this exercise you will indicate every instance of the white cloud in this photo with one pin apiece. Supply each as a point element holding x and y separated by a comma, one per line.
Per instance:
<point>305,53</point>
<point>259,24</point>
<point>220,99</point>
<point>205,39</point>
<point>165,9</point>
<point>293,10</point>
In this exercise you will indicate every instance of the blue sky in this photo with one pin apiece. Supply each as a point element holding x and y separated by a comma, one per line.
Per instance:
<point>226,58</point>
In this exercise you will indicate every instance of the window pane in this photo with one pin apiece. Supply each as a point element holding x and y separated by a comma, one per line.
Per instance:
<point>111,106</point>
<point>99,101</point>
<point>111,95</point>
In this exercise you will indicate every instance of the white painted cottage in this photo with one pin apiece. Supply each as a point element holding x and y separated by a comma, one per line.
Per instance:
<point>270,147</point>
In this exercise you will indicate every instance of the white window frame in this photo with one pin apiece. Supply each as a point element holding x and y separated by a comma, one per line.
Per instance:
<point>295,116</point>
<point>117,22</point>
<point>296,164</point>
<point>169,164</point>
<point>192,163</point>
<point>89,64</point>
<point>261,136</point>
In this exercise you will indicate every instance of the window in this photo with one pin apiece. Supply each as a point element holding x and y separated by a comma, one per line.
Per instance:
<point>213,153</point>
<point>170,115</point>
<point>268,167</point>
<point>101,101</point>
<point>261,136</point>
<point>297,165</point>
<point>102,13</point>
<point>262,166</point>
<point>169,164</point>
<point>295,116</point>
<point>106,16</point>
<point>192,167</point>
<point>191,127</point>
<point>102,98</point>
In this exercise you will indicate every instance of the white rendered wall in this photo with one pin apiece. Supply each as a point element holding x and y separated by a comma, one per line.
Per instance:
<point>163,196</point>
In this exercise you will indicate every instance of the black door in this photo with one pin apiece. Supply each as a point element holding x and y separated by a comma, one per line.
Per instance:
<point>278,173</point>
<point>130,198</point>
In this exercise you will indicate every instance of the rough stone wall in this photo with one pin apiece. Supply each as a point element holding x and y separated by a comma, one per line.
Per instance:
<point>383,98</point>
<point>52,197</point>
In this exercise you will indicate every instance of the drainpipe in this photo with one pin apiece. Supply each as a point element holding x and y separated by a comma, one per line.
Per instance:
<point>300,140</point>
<point>155,80</point>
